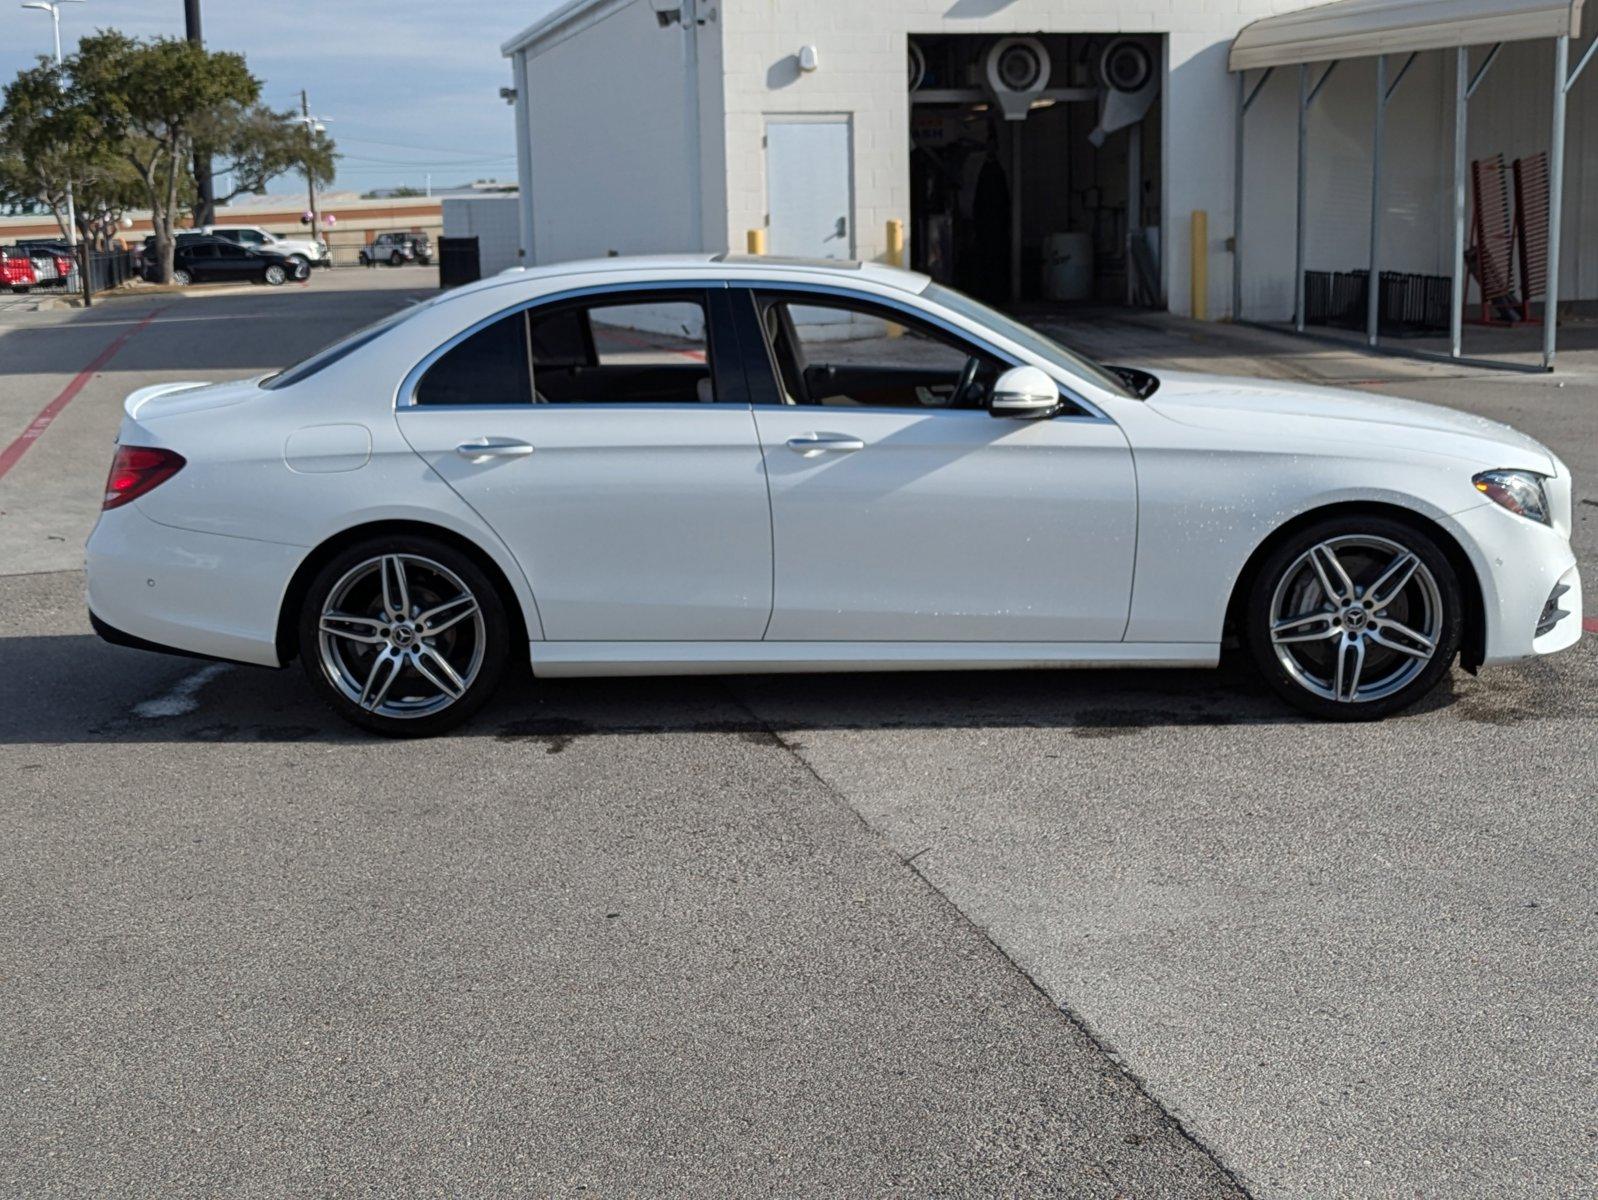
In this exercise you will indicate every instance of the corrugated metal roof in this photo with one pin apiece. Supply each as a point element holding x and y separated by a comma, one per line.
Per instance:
<point>1361,28</point>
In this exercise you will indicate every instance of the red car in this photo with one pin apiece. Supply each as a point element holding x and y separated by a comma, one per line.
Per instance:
<point>16,270</point>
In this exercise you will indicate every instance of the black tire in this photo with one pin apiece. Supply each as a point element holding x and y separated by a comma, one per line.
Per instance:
<point>300,265</point>
<point>396,259</point>
<point>366,259</point>
<point>181,278</point>
<point>274,276</point>
<point>476,648</point>
<point>1331,642</point>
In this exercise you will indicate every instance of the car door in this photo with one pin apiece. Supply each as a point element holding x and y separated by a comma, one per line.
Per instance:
<point>903,511</point>
<point>198,259</point>
<point>607,438</point>
<point>235,262</point>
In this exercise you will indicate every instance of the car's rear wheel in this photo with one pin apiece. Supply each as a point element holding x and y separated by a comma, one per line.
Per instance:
<point>406,637</point>
<point>181,277</point>
<point>1355,618</point>
<point>396,259</point>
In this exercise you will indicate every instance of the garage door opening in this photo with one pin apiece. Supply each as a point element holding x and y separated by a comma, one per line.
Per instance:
<point>1035,165</point>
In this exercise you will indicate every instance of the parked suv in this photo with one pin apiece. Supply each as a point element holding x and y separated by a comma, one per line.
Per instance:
<point>397,249</point>
<point>313,252</point>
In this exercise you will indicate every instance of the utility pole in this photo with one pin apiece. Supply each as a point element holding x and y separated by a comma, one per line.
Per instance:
<point>202,160</point>
<point>53,7</point>
<point>311,125</point>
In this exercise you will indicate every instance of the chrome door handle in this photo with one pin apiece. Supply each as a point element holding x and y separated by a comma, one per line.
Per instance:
<point>811,444</point>
<point>485,448</point>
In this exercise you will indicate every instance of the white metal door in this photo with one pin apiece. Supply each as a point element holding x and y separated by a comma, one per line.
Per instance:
<point>809,197</point>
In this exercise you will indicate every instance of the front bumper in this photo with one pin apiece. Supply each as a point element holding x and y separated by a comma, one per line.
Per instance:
<point>193,593</point>
<point>1519,563</point>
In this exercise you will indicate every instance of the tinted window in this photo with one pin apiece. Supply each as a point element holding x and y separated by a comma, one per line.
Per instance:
<point>489,367</point>
<point>646,349</point>
<point>229,250</point>
<point>1025,335</point>
<point>850,354</point>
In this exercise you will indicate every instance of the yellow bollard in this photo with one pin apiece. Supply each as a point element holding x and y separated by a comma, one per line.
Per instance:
<point>896,243</point>
<point>895,258</point>
<point>1200,244</point>
<point>757,241</point>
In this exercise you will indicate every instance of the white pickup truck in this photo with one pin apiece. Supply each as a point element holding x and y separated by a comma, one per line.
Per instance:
<point>314,253</point>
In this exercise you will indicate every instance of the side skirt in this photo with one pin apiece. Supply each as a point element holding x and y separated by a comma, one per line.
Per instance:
<point>574,659</point>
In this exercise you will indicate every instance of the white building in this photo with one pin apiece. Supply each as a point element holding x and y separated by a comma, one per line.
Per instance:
<point>672,125</point>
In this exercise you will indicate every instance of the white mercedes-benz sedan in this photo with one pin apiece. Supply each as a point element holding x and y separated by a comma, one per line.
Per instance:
<point>661,466</point>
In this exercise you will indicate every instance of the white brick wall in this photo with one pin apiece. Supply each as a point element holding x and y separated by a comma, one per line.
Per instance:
<point>862,49</point>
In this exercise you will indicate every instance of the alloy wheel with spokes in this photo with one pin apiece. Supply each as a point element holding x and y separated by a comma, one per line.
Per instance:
<point>1356,619</point>
<point>404,639</point>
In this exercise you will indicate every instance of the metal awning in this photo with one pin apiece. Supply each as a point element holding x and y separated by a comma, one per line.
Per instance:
<point>1362,28</point>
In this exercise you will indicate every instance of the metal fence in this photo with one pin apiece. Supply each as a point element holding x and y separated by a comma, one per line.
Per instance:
<point>1408,305</point>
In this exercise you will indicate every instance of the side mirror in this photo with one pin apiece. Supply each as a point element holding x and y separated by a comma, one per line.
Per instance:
<point>1024,392</point>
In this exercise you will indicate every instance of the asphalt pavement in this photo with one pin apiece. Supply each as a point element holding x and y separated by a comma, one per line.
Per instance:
<point>1131,934</point>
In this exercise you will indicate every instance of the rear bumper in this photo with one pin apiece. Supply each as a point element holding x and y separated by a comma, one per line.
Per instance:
<point>183,592</point>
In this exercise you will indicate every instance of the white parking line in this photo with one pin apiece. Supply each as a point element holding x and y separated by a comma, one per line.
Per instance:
<point>184,698</point>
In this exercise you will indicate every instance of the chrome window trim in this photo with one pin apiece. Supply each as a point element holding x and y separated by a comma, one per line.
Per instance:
<point>1091,411</point>
<point>405,395</point>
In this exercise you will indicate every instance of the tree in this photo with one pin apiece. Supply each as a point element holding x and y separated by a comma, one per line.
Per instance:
<point>151,98</point>
<point>252,145</point>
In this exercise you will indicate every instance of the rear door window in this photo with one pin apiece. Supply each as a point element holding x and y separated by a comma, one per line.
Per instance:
<point>490,366</point>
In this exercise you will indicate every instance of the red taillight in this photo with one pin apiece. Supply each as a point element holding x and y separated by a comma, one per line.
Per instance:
<point>136,470</point>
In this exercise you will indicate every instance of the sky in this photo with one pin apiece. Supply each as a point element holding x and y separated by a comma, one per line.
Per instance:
<point>406,87</point>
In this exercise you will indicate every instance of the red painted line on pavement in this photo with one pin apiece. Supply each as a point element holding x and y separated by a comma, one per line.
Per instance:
<point>12,454</point>
<point>1590,624</point>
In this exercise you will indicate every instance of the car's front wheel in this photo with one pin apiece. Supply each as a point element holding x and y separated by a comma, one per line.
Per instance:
<point>1355,618</point>
<point>275,275</point>
<point>405,637</point>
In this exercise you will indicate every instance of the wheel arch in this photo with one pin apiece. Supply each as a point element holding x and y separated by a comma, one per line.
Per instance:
<point>300,583</point>
<point>1472,649</point>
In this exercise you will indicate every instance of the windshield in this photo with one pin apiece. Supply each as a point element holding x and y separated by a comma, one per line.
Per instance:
<point>1030,339</point>
<point>329,355</point>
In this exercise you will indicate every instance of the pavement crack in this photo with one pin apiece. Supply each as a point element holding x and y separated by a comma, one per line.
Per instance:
<point>1110,1057</point>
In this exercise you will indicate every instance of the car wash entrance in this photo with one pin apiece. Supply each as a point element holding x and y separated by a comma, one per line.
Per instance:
<point>1035,165</point>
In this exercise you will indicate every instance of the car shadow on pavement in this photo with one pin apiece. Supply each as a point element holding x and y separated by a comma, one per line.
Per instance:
<point>83,690</point>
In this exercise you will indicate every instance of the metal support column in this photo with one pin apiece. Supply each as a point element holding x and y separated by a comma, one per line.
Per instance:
<point>1556,199</point>
<point>1300,224</point>
<point>1237,203</point>
<point>1456,315</point>
<point>1134,205</point>
<point>1015,211</point>
<point>1372,284</point>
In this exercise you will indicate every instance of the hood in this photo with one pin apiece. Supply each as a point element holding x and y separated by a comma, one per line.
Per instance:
<point>169,399</point>
<point>1306,414</point>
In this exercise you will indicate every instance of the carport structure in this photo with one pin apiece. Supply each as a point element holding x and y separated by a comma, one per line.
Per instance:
<point>1399,30</point>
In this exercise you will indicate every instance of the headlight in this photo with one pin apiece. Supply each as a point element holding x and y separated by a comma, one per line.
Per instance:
<point>1521,492</point>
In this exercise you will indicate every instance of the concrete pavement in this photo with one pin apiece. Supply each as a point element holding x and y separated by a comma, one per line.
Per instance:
<point>958,934</point>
